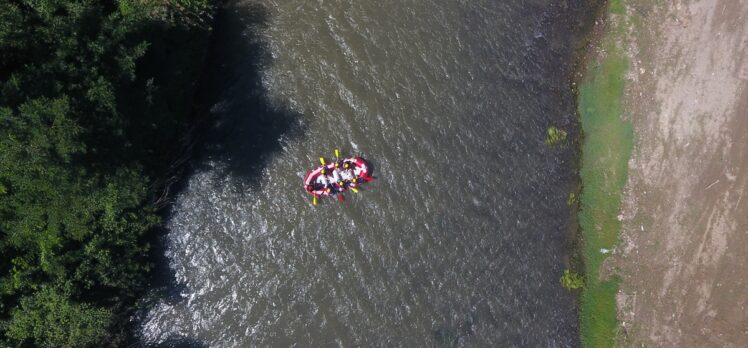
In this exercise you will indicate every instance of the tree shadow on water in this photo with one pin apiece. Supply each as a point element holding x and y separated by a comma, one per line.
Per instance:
<point>243,126</point>
<point>236,127</point>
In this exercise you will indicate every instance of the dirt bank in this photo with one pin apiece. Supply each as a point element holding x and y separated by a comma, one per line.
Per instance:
<point>683,257</point>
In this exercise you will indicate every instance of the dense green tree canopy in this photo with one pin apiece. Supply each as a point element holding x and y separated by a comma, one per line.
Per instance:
<point>86,106</point>
<point>50,319</point>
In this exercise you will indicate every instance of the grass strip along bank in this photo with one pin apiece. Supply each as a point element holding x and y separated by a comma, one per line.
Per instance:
<point>606,149</point>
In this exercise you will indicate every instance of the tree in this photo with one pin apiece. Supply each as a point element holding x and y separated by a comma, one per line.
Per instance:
<point>42,203</point>
<point>84,109</point>
<point>49,319</point>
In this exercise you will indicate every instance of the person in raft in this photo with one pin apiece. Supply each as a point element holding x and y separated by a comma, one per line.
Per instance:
<point>339,183</point>
<point>323,179</point>
<point>347,173</point>
<point>336,173</point>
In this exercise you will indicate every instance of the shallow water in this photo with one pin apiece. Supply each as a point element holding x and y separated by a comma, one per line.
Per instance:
<point>460,240</point>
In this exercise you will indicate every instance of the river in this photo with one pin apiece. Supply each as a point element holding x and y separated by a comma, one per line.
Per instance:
<point>460,240</point>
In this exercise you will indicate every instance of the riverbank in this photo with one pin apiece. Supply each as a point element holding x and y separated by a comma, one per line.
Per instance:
<point>683,243</point>
<point>605,151</point>
<point>666,85</point>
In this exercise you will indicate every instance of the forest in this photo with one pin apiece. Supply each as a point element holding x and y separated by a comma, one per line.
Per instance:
<point>95,99</point>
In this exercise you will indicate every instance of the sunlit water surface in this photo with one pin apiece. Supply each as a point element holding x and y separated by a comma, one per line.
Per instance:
<point>460,240</point>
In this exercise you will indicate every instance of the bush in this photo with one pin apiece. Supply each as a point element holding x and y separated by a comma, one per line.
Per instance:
<point>555,136</point>
<point>571,280</point>
<point>572,199</point>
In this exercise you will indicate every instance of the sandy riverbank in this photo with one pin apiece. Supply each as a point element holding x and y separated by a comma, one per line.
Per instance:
<point>683,256</point>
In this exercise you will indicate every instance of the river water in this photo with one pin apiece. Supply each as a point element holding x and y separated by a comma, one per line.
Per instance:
<point>459,241</point>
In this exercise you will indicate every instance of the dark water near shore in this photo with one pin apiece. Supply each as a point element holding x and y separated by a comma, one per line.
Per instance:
<point>460,240</point>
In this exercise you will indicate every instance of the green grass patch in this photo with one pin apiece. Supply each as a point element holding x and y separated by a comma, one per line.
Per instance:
<point>605,153</point>
<point>616,6</point>
<point>598,314</point>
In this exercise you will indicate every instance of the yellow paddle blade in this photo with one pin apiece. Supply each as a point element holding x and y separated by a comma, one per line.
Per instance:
<point>337,153</point>
<point>322,160</point>
<point>354,190</point>
<point>314,200</point>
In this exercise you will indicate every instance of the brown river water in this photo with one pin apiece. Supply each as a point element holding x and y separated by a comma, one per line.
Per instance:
<point>460,240</point>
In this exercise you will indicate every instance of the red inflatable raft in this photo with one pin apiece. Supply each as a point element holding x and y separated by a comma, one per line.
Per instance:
<point>336,177</point>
